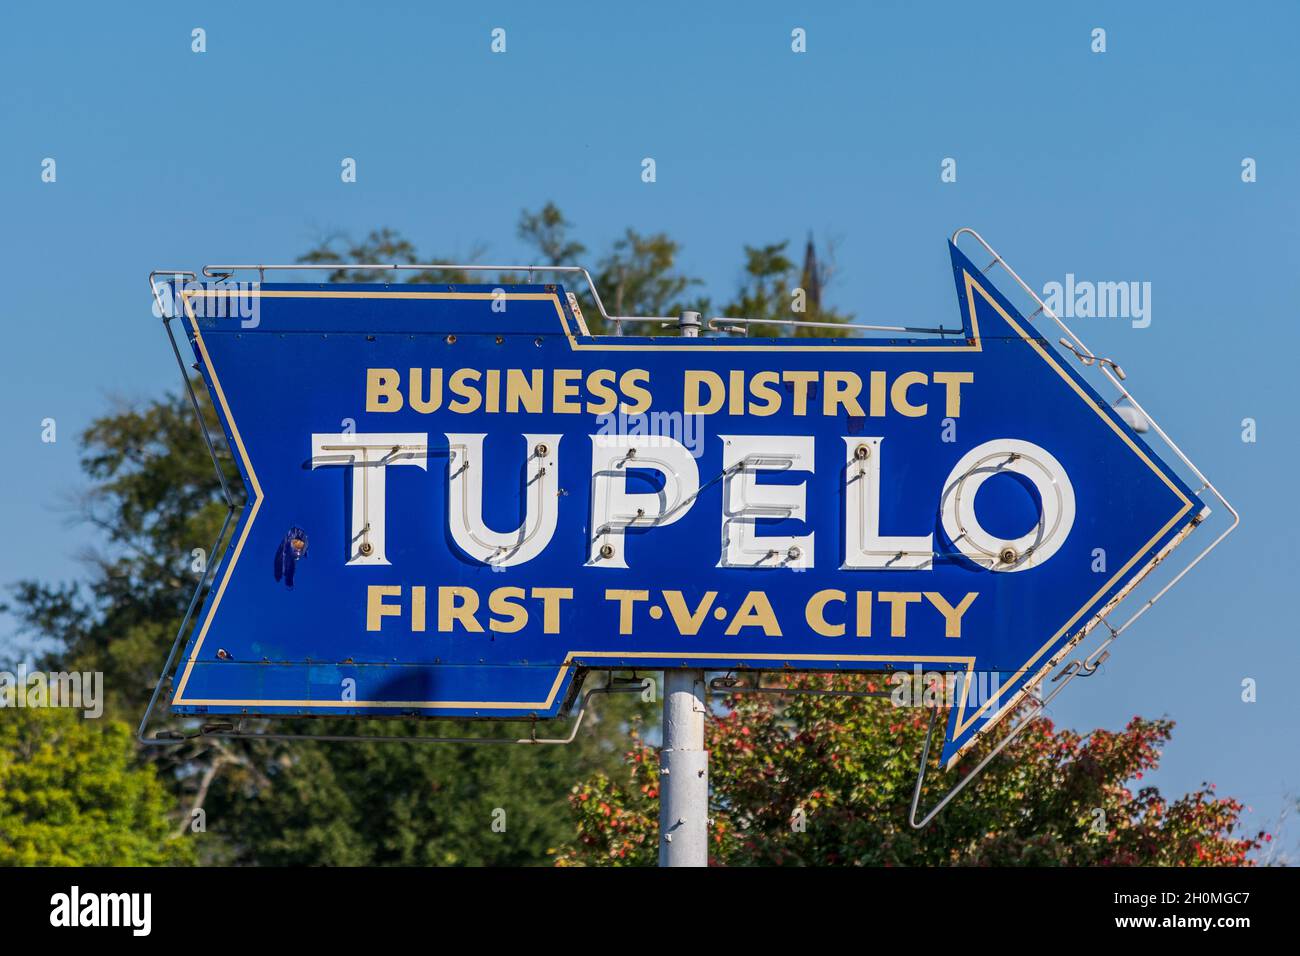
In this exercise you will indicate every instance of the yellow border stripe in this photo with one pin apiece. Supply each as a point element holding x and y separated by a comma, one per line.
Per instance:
<point>975,345</point>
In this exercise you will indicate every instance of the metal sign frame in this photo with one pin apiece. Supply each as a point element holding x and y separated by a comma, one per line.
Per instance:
<point>688,324</point>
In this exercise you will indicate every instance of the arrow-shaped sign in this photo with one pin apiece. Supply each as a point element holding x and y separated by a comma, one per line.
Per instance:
<point>459,500</point>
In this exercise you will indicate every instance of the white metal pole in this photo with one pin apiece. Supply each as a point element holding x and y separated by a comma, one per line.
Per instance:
<point>683,773</point>
<point>683,761</point>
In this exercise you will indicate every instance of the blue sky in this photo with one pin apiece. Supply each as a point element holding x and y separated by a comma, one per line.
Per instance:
<point>1117,166</point>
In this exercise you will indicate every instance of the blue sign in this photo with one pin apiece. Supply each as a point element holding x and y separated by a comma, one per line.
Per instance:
<point>459,501</point>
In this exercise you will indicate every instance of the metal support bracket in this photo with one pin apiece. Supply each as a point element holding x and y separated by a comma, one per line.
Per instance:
<point>1070,672</point>
<point>1087,666</point>
<point>233,730</point>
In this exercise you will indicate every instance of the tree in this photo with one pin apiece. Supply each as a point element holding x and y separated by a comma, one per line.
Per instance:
<point>772,293</point>
<point>547,231</point>
<point>828,781</point>
<point>154,499</point>
<point>370,804</point>
<point>73,794</point>
<point>386,247</point>
<point>639,278</point>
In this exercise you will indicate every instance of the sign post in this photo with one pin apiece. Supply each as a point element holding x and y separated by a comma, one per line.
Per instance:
<point>684,772</point>
<point>683,761</point>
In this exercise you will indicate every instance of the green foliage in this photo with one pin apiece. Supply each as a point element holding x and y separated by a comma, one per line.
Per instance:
<point>547,231</point>
<point>73,794</point>
<point>638,278</point>
<point>367,804</point>
<point>384,247</point>
<point>153,499</point>
<point>767,296</point>
<point>847,768</point>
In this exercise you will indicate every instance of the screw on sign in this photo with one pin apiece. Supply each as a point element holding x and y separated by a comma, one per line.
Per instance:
<point>521,502</point>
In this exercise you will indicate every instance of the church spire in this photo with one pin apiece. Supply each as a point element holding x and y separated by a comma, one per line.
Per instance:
<point>811,280</point>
